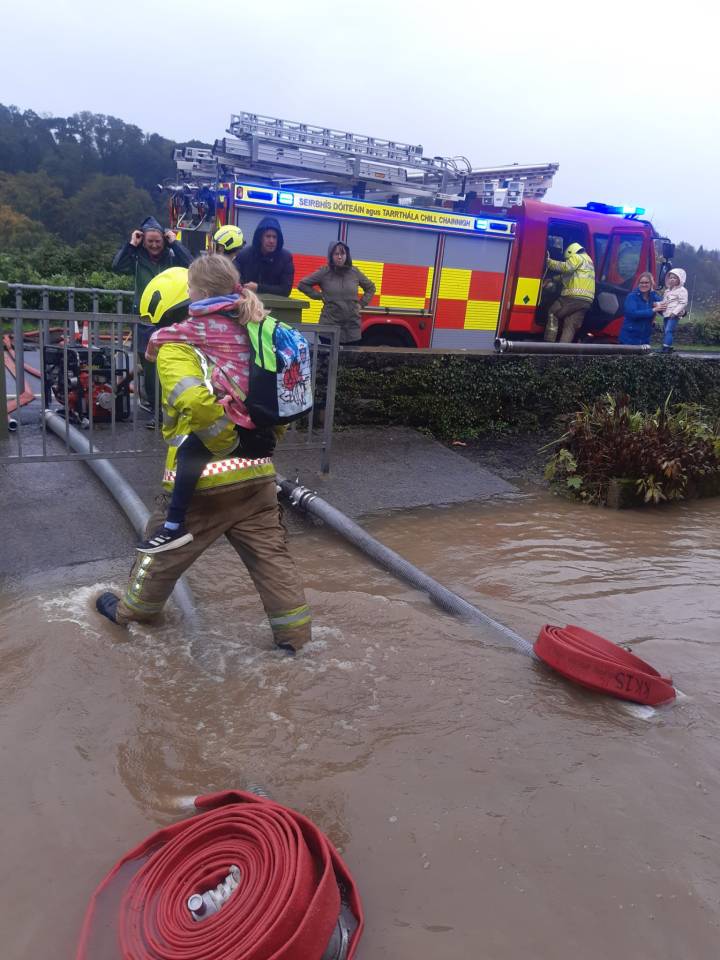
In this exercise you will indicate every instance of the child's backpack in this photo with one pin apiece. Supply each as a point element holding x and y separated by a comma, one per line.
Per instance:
<point>280,389</point>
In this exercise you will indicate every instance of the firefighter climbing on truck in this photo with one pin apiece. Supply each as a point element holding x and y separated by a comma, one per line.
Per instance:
<point>577,278</point>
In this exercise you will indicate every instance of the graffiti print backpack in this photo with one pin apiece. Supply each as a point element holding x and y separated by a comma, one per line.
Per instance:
<point>280,389</point>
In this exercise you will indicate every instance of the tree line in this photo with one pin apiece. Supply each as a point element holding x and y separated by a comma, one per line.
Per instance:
<point>703,278</point>
<point>71,189</point>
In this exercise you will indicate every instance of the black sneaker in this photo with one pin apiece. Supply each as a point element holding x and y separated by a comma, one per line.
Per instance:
<point>165,539</point>
<point>287,648</point>
<point>106,604</point>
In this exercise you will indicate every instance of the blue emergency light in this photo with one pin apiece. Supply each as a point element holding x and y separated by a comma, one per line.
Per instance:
<point>624,210</point>
<point>494,226</point>
<point>262,195</point>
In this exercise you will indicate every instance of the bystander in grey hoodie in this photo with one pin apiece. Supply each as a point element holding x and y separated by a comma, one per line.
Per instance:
<point>339,293</point>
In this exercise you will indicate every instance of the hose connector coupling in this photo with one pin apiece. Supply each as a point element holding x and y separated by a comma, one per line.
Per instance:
<point>203,905</point>
<point>300,497</point>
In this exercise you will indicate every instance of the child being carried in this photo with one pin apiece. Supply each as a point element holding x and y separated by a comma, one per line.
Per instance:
<point>219,311</point>
<point>673,305</point>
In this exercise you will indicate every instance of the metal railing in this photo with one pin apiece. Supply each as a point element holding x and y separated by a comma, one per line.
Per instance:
<point>85,365</point>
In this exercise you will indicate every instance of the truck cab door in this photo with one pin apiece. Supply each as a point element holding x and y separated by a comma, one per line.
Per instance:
<point>560,234</point>
<point>626,256</point>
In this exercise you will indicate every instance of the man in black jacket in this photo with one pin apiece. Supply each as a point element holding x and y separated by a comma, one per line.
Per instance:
<point>149,251</point>
<point>264,265</point>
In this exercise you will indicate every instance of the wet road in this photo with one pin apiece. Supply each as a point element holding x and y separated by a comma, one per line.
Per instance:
<point>486,808</point>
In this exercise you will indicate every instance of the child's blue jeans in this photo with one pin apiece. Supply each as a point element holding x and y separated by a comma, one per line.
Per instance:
<point>669,324</point>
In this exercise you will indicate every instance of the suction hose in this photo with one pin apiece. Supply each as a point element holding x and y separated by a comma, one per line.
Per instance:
<point>577,654</point>
<point>589,349</point>
<point>305,500</point>
<point>131,504</point>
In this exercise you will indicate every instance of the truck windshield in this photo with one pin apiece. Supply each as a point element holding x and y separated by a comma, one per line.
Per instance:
<point>625,260</point>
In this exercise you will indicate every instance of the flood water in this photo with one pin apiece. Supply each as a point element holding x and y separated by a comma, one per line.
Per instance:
<point>486,808</point>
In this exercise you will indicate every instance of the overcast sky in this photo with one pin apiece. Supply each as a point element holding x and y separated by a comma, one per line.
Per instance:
<point>624,95</point>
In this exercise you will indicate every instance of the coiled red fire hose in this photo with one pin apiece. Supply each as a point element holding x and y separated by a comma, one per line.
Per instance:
<point>293,885</point>
<point>595,662</point>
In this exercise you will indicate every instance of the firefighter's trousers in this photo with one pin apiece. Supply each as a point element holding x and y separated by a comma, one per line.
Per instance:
<point>248,514</point>
<point>567,315</point>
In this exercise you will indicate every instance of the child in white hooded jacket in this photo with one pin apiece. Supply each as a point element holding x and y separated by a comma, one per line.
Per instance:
<point>673,304</point>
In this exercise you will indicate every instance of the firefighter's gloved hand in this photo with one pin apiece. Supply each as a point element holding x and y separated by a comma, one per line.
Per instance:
<point>257,443</point>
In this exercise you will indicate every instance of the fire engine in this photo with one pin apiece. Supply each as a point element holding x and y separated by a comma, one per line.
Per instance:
<point>457,254</point>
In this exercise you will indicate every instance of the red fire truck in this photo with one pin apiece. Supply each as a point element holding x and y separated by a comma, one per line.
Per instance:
<point>457,255</point>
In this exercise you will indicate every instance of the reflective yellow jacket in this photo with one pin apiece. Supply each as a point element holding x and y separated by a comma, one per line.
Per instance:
<point>189,406</point>
<point>577,274</point>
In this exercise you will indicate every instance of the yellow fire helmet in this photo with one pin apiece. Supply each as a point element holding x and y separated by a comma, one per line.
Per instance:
<point>166,293</point>
<point>573,248</point>
<point>229,238</point>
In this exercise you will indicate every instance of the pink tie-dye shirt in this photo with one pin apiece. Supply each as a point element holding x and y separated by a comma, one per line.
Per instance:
<point>226,345</point>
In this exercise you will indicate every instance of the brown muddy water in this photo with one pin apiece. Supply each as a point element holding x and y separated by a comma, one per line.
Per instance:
<point>486,808</point>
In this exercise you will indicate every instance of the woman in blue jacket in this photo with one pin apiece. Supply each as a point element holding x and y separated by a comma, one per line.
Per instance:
<point>640,312</point>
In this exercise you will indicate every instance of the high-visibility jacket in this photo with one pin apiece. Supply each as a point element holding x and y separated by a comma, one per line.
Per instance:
<point>190,406</point>
<point>577,274</point>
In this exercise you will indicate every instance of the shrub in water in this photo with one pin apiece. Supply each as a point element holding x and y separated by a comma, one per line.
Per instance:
<point>665,454</point>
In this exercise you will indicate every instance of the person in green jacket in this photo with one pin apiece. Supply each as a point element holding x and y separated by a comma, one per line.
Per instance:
<point>577,276</point>
<point>149,251</point>
<point>339,283</point>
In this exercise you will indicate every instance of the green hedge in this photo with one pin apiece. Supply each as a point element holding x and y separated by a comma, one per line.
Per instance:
<point>464,397</point>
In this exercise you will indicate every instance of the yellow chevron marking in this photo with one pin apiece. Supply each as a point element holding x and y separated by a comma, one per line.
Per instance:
<point>310,314</point>
<point>482,314</point>
<point>428,288</point>
<point>415,303</point>
<point>373,270</point>
<point>454,283</point>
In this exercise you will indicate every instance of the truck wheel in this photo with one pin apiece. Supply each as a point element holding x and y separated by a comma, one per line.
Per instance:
<point>386,337</point>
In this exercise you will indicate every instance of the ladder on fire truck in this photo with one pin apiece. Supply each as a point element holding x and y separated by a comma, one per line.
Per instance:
<point>286,154</point>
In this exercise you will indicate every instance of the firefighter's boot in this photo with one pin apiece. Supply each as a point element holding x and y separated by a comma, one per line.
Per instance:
<point>106,604</point>
<point>551,328</point>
